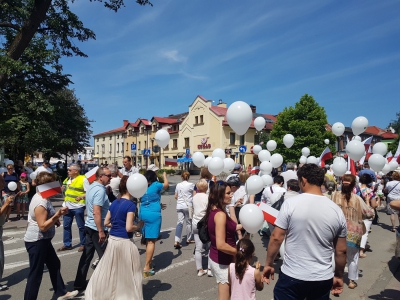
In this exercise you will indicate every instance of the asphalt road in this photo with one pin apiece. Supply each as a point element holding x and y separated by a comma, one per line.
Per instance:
<point>176,274</point>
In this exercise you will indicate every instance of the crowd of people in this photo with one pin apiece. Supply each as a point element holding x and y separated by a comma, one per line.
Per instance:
<point>312,240</point>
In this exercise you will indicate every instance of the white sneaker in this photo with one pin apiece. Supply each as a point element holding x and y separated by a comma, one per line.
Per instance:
<point>201,273</point>
<point>209,273</point>
<point>69,295</point>
<point>4,287</point>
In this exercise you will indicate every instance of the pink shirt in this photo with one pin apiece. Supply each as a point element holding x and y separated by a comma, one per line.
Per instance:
<point>247,288</point>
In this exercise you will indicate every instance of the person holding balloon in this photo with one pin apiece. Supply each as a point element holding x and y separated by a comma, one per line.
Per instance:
<point>150,214</point>
<point>11,186</point>
<point>221,229</point>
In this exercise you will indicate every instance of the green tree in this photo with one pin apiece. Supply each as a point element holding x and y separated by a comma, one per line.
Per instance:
<point>306,121</point>
<point>395,124</point>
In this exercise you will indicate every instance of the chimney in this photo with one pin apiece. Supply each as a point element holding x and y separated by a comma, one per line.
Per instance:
<point>126,122</point>
<point>253,108</point>
<point>221,104</point>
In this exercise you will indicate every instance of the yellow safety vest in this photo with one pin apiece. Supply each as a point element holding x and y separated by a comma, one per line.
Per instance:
<point>75,189</point>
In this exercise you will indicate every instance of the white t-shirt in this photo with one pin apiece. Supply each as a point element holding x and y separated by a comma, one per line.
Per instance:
<point>311,222</point>
<point>43,169</point>
<point>184,190</point>
<point>240,193</point>
<point>200,202</point>
<point>289,174</point>
<point>129,172</point>
<point>270,197</point>
<point>394,188</point>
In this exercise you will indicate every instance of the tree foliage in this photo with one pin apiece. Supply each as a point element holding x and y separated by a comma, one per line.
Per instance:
<point>306,121</point>
<point>395,124</point>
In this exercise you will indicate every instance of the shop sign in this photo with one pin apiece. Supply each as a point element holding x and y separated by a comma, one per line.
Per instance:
<point>204,144</point>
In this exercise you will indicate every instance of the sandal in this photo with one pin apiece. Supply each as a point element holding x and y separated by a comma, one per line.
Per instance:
<point>148,273</point>
<point>363,255</point>
<point>352,284</point>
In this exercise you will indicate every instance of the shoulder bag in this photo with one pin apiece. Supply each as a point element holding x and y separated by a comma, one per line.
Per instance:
<point>278,204</point>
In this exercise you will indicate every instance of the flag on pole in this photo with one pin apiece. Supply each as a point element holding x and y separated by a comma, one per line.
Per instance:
<point>91,175</point>
<point>368,148</point>
<point>171,162</point>
<point>326,154</point>
<point>49,189</point>
<point>361,161</point>
<point>389,156</point>
<point>351,166</point>
<point>270,213</point>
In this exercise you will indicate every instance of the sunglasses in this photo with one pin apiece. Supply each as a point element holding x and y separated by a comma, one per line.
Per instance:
<point>109,175</point>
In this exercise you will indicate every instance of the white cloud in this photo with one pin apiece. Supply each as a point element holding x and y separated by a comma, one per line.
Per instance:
<point>173,55</point>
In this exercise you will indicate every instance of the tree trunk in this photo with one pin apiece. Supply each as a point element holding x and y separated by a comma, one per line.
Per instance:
<point>28,30</point>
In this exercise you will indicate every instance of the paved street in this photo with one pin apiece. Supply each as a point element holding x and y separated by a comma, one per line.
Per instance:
<point>176,276</point>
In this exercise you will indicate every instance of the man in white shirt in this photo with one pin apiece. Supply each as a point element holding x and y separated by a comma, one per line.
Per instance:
<point>273,193</point>
<point>44,168</point>
<point>293,188</point>
<point>127,169</point>
<point>289,173</point>
<point>315,228</point>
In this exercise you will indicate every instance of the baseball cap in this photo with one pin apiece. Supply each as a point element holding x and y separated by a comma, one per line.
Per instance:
<point>237,167</point>
<point>152,167</point>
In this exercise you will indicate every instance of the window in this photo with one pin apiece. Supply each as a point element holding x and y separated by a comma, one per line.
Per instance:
<point>201,119</point>
<point>141,129</point>
<point>117,147</point>
<point>122,147</point>
<point>175,144</point>
<point>110,148</point>
<point>110,138</point>
<point>104,138</point>
<point>103,148</point>
<point>97,139</point>
<point>196,120</point>
<point>130,131</point>
<point>118,136</point>
<point>232,138</point>
<point>127,146</point>
<point>187,143</point>
<point>256,139</point>
<point>154,127</point>
<point>175,157</point>
<point>241,140</point>
<point>97,149</point>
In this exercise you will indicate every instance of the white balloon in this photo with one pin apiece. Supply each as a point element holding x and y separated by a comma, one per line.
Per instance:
<point>339,167</point>
<point>312,160</point>
<point>257,149</point>
<point>12,186</point>
<point>359,125</point>
<point>33,175</point>
<point>376,162</point>
<point>357,138</point>
<point>198,159</point>
<point>137,185</point>
<point>207,161</point>
<point>264,155</point>
<point>268,180</point>
<point>288,140</point>
<point>305,151</point>
<point>216,166</point>
<point>259,123</point>
<point>251,217</point>
<point>229,164</point>
<point>386,169</point>
<point>355,150</point>
<point>271,145</point>
<point>239,117</point>
<point>339,158</point>
<point>326,141</point>
<point>266,167</point>
<point>162,138</point>
<point>218,153</point>
<point>393,165</point>
<point>276,160</point>
<point>379,148</point>
<point>303,159</point>
<point>338,128</point>
<point>254,185</point>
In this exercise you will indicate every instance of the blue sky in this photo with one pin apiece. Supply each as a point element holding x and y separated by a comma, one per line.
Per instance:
<point>153,61</point>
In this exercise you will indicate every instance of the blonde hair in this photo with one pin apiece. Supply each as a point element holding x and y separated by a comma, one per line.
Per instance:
<point>396,176</point>
<point>243,176</point>
<point>185,175</point>
<point>202,185</point>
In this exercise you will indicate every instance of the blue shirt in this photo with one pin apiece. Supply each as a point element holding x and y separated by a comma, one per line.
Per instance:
<point>119,210</point>
<point>96,195</point>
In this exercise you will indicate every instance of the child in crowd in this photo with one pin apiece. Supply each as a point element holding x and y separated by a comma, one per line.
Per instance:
<point>22,198</point>
<point>243,278</point>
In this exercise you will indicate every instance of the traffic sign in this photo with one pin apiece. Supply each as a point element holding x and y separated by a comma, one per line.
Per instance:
<point>146,152</point>
<point>133,147</point>
<point>242,149</point>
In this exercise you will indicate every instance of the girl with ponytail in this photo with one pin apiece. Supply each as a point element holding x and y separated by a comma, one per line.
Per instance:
<point>243,278</point>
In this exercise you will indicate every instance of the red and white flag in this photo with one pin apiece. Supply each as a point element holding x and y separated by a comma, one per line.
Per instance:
<point>49,189</point>
<point>351,166</point>
<point>270,213</point>
<point>326,154</point>
<point>171,162</point>
<point>389,156</point>
<point>368,147</point>
<point>91,175</point>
